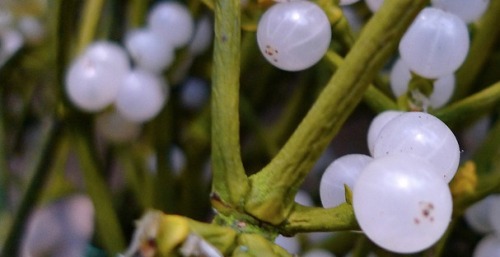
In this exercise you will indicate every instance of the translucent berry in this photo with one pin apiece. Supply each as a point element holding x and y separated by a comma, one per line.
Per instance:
<point>173,22</point>
<point>401,204</point>
<point>436,44</point>
<point>141,96</point>
<point>294,36</point>
<point>423,135</point>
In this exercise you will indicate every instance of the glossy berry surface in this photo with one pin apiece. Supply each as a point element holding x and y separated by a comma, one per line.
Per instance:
<point>401,204</point>
<point>423,135</point>
<point>436,43</point>
<point>343,171</point>
<point>294,36</point>
<point>376,126</point>
<point>173,22</point>
<point>94,78</point>
<point>148,50</point>
<point>374,5</point>
<point>489,246</point>
<point>467,10</point>
<point>142,96</point>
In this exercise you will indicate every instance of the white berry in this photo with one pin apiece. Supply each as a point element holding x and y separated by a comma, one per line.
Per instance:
<point>142,96</point>
<point>149,51</point>
<point>173,22</point>
<point>376,126</point>
<point>477,215</point>
<point>374,5</point>
<point>94,78</point>
<point>343,171</point>
<point>489,246</point>
<point>203,35</point>
<point>294,36</point>
<point>401,204</point>
<point>468,10</point>
<point>436,44</point>
<point>423,135</point>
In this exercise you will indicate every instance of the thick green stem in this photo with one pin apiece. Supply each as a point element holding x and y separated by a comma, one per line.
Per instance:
<point>108,229</point>
<point>41,171</point>
<point>313,219</point>
<point>487,33</point>
<point>373,97</point>
<point>230,183</point>
<point>472,106</point>
<point>273,189</point>
<point>90,19</point>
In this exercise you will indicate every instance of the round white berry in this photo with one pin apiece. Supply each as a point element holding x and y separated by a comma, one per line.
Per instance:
<point>489,246</point>
<point>32,29</point>
<point>173,22</point>
<point>374,5</point>
<point>343,171</point>
<point>141,96</point>
<point>148,50</point>
<point>401,204</point>
<point>294,36</point>
<point>443,87</point>
<point>302,197</point>
<point>423,135</point>
<point>477,215</point>
<point>93,79</point>
<point>436,44</point>
<point>494,213</point>
<point>203,35</point>
<point>377,124</point>
<point>468,10</point>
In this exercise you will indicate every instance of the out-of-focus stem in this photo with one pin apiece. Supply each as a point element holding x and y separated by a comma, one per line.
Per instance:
<point>90,19</point>
<point>108,228</point>
<point>41,170</point>
<point>472,106</point>
<point>487,33</point>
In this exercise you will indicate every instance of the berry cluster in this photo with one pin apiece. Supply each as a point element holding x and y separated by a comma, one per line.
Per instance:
<point>16,31</point>
<point>484,218</point>
<point>102,75</point>
<point>400,195</point>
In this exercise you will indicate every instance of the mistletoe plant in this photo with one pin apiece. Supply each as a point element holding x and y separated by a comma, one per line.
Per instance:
<point>138,115</point>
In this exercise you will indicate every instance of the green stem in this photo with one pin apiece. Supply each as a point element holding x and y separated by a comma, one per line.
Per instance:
<point>483,43</point>
<point>314,219</point>
<point>90,19</point>
<point>230,183</point>
<point>273,189</point>
<point>108,229</point>
<point>41,171</point>
<point>472,106</point>
<point>373,97</point>
<point>137,12</point>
